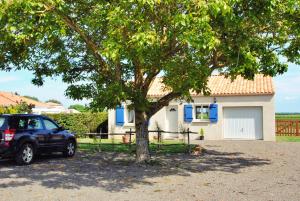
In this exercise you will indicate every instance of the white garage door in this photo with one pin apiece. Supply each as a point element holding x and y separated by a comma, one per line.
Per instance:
<point>243,123</point>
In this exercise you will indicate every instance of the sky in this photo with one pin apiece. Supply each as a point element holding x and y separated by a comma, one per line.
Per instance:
<point>287,98</point>
<point>20,82</point>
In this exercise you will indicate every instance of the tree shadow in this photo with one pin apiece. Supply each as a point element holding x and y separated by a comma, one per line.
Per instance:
<point>117,171</point>
<point>211,160</point>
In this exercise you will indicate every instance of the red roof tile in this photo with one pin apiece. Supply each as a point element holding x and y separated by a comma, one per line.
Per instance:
<point>219,85</point>
<point>8,98</point>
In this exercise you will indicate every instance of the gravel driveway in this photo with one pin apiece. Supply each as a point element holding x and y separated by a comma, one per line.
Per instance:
<point>229,170</point>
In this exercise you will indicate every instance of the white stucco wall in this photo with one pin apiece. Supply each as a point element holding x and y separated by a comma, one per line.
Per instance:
<point>213,131</point>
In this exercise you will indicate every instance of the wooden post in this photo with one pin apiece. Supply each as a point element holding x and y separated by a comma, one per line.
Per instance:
<point>188,132</point>
<point>100,141</point>
<point>113,141</point>
<point>276,127</point>
<point>158,138</point>
<point>130,140</point>
<point>297,128</point>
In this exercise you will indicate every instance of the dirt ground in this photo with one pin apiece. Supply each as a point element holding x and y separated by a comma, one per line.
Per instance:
<point>229,170</point>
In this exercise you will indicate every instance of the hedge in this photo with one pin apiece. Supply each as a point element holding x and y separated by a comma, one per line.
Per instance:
<point>81,123</point>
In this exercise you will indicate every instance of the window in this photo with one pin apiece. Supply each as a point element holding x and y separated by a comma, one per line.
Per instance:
<point>130,116</point>
<point>21,123</point>
<point>202,112</point>
<point>34,123</point>
<point>49,125</point>
<point>17,123</point>
<point>2,121</point>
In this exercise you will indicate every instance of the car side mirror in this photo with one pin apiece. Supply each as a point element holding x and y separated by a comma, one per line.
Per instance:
<point>61,128</point>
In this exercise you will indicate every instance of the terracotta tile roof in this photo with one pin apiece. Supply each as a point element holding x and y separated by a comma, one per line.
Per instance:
<point>8,98</point>
<point>221,86</point>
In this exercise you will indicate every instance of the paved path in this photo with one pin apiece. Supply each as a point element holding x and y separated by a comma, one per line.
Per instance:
<point>229,170</point>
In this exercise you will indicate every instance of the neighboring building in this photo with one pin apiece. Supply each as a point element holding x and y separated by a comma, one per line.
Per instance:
<point>242,109</point>
<point>8,99</point>
<point>53,108</point>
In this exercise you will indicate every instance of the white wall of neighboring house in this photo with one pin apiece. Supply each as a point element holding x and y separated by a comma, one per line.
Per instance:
<point>53,110</point>
<point>9,98</point>
<point>213,131</point>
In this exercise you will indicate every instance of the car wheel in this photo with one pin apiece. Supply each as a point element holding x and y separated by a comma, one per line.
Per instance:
<point>70,149</point>
<point>25,155</point>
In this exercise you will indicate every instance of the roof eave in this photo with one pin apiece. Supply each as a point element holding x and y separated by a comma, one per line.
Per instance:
<point>221,95</point>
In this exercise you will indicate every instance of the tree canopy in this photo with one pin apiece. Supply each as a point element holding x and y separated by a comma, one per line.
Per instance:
<point>110,51</point>
<point>53,101</point>
<point>80,108</point>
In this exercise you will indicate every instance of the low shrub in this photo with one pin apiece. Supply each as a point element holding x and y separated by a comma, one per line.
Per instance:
<point>81,123</point>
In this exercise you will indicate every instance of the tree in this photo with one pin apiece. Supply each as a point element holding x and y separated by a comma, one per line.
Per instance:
<point>80,108</point>
<point>8,109</point>
<point>53,101</point>
<point>32,98</point>
<point>24,108</point>
<point>111,51</point>
<point>20,108</point>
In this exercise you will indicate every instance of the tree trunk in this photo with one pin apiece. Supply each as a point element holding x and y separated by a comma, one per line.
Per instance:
<point>142,137</point>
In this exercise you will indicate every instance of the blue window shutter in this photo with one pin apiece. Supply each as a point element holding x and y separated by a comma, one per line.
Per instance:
<point>188,113</point>
<point>213,113</point>
<point>120,116</point>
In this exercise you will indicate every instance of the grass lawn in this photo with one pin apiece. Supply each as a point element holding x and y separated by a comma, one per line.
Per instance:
<point>288,139</point>
<point>109,145</point>
<point>288,116</point>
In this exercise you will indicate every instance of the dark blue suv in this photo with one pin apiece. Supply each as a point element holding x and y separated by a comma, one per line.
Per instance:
<point>23,136</point>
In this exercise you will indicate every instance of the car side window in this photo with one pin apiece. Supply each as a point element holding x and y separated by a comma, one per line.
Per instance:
<point>2,121</point>
<point>34,123</point>
<point>49,125</point>
<point>22,124</point>
<point>17,123</point>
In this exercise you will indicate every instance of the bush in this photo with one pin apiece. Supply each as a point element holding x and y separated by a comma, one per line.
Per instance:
<point>81,123</point>
<point>20,108</point>
<point>80,108</point>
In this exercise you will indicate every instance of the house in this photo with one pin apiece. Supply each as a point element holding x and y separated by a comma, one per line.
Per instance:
<point>242,109</point>
<point>53,108</point>
<point>12,99</point>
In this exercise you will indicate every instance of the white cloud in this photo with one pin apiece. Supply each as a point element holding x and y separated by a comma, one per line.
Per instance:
<point>8,79</point>
<point>288,84</point>
<point>290,98</point>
